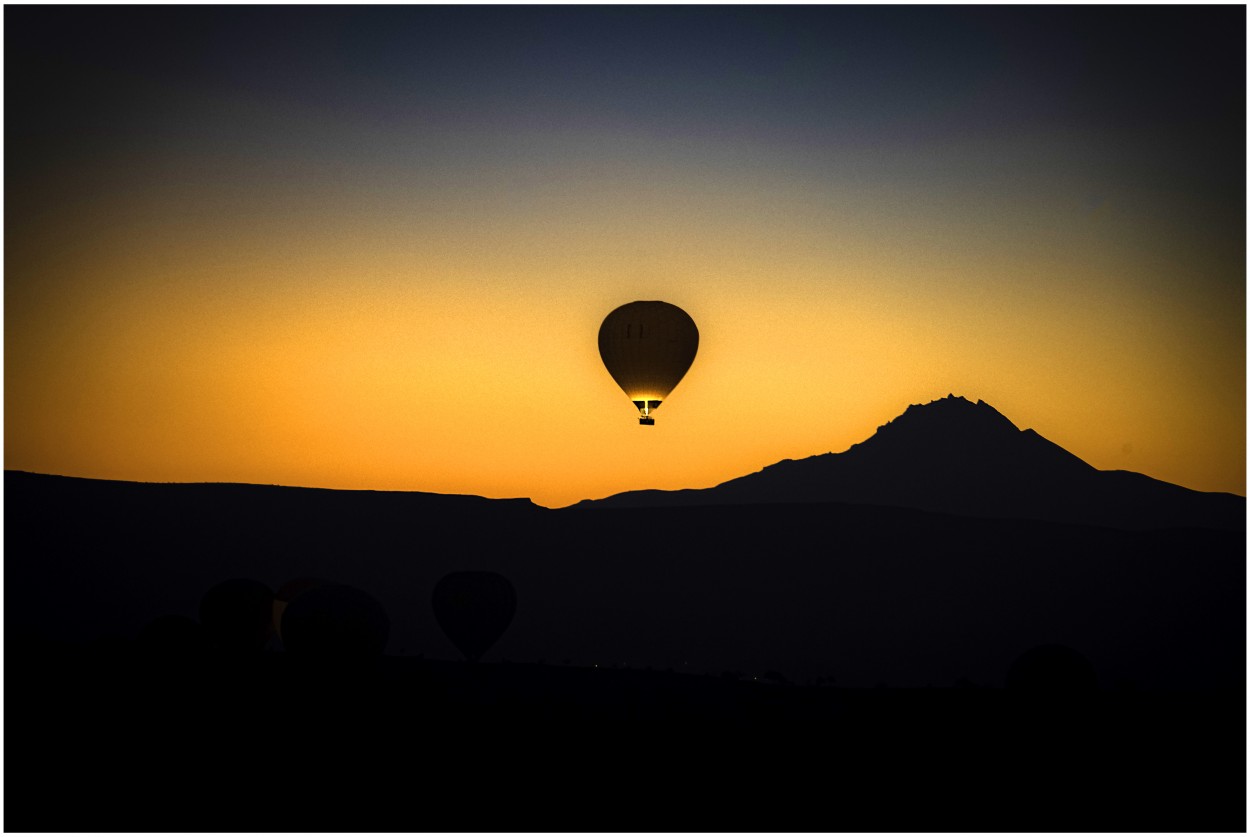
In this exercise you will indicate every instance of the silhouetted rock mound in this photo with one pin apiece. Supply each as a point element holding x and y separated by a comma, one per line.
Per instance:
<point>335,621</point>
<point>173,637</point>
<point>958,457</point>
<point>474,608</point>
<point>237,615</point>
<point>1052,669</point>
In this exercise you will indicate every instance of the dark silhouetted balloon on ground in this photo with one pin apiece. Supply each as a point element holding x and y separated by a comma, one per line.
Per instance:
<point>335,620</point>
<point>237,615</point>
<point>474,608</point>
<point>647,347</point>
<point>288,593</point>
<point>1052,668</point>
<point>173,637</point>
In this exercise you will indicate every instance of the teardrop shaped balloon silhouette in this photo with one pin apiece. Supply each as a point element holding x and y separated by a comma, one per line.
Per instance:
<point>474,608</point>
<point>647,347</point>
<point>237,615</point>
<point>335,621</point>
<point>288,593</point>
<point>174,638</point>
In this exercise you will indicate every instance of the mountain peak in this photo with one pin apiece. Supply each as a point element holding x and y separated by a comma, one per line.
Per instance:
<point>971,442</point>
<point>952,405</point>
<point>956,456</point>
<point>953,420</point>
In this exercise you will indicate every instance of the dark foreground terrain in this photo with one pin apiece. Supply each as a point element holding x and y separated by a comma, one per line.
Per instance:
<point>121,742</point>
<point>812,666</point>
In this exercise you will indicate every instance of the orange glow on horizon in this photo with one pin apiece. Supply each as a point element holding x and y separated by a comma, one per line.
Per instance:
<point>444,340</point>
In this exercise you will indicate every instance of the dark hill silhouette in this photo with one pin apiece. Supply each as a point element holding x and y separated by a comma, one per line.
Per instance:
<point>120,693</point>
<point>959,457</point>
<point>864,593</point>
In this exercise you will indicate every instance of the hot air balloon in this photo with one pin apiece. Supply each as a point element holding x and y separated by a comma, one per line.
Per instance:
<point>647,348</point>
<point>336,621</point>
<point>237,615</point>
<point>474,608</point>
<point>288,593</point>
<point>173,637</point>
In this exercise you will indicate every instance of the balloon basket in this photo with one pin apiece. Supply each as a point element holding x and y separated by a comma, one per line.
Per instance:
<point>646,420</point>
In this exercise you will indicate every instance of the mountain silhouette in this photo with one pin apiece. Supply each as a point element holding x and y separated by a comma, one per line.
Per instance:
<point>955,456</point>
<point>141,663</point>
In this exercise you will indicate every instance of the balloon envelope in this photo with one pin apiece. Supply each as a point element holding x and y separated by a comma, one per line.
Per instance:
<point>474,608</point>
<point>337,621</point>
<point>647,347</point>
<point>173,636</point>
<point>288,593</point>
<point>237,615</point>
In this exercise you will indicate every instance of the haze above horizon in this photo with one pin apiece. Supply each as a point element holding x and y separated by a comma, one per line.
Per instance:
<point>371,248</point>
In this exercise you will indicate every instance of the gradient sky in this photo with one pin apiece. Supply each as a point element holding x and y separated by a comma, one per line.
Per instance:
<point>372,247</point>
